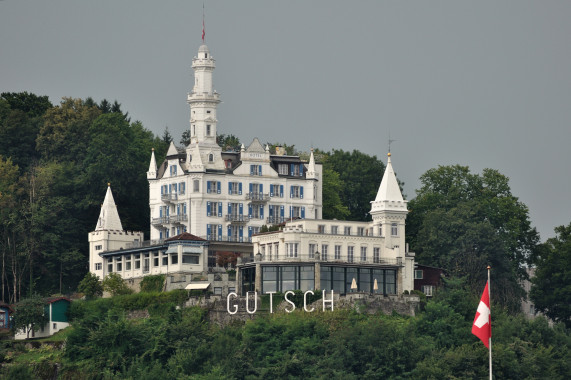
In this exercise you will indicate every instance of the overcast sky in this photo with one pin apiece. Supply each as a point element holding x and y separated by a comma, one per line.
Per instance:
<point>482,83</point>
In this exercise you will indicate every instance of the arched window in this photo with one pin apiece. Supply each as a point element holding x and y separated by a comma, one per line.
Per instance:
<point>210,157</point>
<point>394,230</point>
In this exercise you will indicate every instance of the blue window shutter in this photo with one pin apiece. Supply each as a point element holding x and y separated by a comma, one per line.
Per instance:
<point>178,209</point>
<point>229,208</point>
<point>291,191</point>
<point>230,188</point>
<point>218,187</point>
<point>301,170</point>
<point>261,211</point>
<point>301,192</point>
<point>303,213</point>
<point>251,169</point>
<point>251,187</point>
<point>271,211</point>
<point>219,208</point>
<point>250,210</point>
<point>161,212</point>
<point>208,186</point>
<point>229,231</point>
<point>241,209</point>
<point>174,187</point>
<point>261,188</point>
<point>271,190</point>
<point>161,235</point>
<point>282,211</point>
<point>181,187</point>
<point>259,169</point>
<point>220,232</point>
<point>168,210</point>
<point>208,230</point>
<point>184,209</point>
<point>208,209</point>
<point>240,188</point>
<point>170,189</point>
<point>241,232</point>
<point>162,190</point>
<point>249,232</point>
<point>291,169</point>
<point>281,191</point>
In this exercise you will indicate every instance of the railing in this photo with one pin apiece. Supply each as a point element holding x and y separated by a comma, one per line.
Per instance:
<point>178,218</point>
<point>169,197</point>
<point>258,197</point>
<point>234,218</point>
<point>161,220</point>
<point>275,219</point>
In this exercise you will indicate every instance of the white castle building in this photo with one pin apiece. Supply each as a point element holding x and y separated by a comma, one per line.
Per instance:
<point>226,196</point>
<point>336,255</point>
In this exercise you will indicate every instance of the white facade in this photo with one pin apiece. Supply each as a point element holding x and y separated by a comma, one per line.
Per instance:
<point>226,196</point>
<point>369,252</point>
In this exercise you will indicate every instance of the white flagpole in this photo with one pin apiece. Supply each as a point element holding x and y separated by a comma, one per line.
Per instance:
<point>490,338</point>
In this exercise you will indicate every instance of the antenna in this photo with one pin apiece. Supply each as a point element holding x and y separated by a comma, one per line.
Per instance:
<point>203,30</point>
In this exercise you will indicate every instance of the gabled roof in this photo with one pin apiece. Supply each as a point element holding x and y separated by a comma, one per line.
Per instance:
<point>255,147</point>
<point>109,216</point>
<point>186,236</point>
<point>173,151</point>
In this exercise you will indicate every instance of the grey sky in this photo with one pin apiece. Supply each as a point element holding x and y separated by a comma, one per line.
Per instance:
<point>483,84</point>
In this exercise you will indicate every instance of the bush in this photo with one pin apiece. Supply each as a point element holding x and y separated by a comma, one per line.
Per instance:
<point>153,283</point>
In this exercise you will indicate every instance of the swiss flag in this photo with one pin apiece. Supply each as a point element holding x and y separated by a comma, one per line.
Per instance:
<point>482,326</point>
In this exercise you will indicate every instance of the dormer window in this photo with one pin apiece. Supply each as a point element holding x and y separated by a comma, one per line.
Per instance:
<point>173,170</point>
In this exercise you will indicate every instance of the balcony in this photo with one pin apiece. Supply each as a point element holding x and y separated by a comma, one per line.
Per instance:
<point>235,218</point>
<point>178,218</point>
<point>275,219</point>
<point>258,197</point>
<point>170,197</point>
<point>159,221</point>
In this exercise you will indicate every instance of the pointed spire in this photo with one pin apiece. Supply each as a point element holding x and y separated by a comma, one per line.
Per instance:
<point>152,173</point>
<point>172,150</point>
<point>389,196</point>
<point>109,217</point>
<point>311,172</point>
<point>196,164</point>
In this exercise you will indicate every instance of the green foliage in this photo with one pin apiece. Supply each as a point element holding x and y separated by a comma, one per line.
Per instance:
<point>228,142</point>
<point>551,285</point>
<point>115,284</point>
<point>153,283</point>
<point>463,222</point>
<point>29,314</point>
<point>91,286</point>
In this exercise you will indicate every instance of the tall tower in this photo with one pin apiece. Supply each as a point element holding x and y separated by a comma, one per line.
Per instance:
<point>389,210</point>
<point>203,100</point>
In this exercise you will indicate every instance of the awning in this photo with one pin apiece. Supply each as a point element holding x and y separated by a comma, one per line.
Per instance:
<point>186,249</point>
<point>172,249</point>
<point>198,286</point>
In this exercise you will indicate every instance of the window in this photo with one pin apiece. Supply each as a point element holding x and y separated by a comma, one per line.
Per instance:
<point>173,170</point>
<point>255,169</point>
<point>165,259</point>
<point>213,187</point>
<point>174,258</point>
<point>269,252</point>
<point>360,231</point>
<point>394,230</point>
<point>206,111</point>
<point>234,188</point>
<point>119,263</point>
<point>128,262</point>
<point>196,186</point>
<point>254,210</point>
<point>214,209</point>
<point>350,257</point>
<point>337,252</point>
<point>276,249</point>
<point>427,289</point>
<point>347,231</point>
<point>418,274</point>
<point>312,250</point>
<point>146,263</point>
<point>321,229</point>
<point>208,128</point>
<point>363,253</point>
<point>296,192</point>
<point>181,188</point>
<point>98,266</point>
<point>295,212</point>
<point>334,230</point>
<point>294,170</point>
<point>210,157</point>
<point>277,190</point>
<point>155,259</point>
<point>98,247</point>
<point>376,255</point>
<point>324,249</point>
<point>380,230</point>
<point>291,249</point>
<point>55,326</point>
<point>190,259</point>
<point>283,169</point>
<point>138,261</point>
<point>217,291</point>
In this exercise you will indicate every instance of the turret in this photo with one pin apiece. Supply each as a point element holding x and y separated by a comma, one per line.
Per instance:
<point>152,173</point>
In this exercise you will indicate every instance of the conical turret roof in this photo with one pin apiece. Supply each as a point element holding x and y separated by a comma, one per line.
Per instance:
<point>109,217</point>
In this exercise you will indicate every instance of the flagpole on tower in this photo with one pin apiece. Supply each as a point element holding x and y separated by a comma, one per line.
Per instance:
<point>203,30</point>
<point>490,337</point>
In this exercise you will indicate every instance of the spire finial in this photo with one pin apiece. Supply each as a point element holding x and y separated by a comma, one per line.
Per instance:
<point>108,184</point>
<point>390,141</point>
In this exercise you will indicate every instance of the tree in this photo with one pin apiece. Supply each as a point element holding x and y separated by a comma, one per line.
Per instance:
<point>333,207</point>
<point>228,142</point>
<point>226,259</point>
<point>114,284</point>
<point>185,138</point>
<point>30,315</point>
<point>31,104</point>
<point>167,138</point>
<point>360,175</point>
<point>91,286</point>
<point>462,222</point>
<point>551,285</point>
